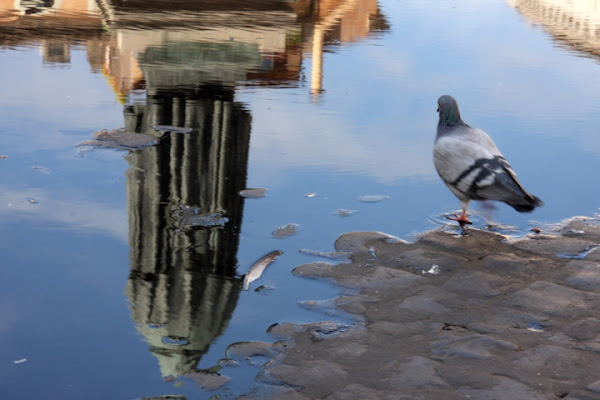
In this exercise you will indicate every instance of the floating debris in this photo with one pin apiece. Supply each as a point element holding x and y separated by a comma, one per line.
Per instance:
<point>259,267</point>
<point>434,270</point>
<point>120,139</point>
<point>171,128</point>
<point>3,156</point>
<point>286,230</point>
<point>310,195</point>
<point>264,288</point>
<point>374,198</point>
<point>189,216</point>
<point>342,212</point>
<point>581,255</point>
<point>44,170</point>
<point>32,200</point>
<point>21,361</point>
<point>175,340</point>
<point>253,193</point>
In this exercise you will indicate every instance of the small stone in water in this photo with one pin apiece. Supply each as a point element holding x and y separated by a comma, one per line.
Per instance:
<point>342,212</point>
<point>285,230</point>
<point>253,193</point>
<point>372,198</point>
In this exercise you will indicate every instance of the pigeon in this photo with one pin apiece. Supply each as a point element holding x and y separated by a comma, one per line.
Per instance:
<point>472,167</point>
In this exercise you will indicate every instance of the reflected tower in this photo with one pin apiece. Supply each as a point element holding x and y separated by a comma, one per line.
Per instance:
<point>182,284</point>
<point>187,63</point>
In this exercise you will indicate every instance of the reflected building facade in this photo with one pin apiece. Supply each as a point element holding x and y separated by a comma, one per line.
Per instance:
<point>575,24</point>
<point>179,64</point>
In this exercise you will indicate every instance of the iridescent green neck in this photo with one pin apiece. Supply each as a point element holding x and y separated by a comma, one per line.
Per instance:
<point>449,116</point>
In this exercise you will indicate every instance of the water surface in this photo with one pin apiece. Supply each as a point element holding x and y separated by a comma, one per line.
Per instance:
<point>123,269</point>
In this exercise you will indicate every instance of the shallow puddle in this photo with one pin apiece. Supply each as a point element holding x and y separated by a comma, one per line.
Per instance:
<point>124,259</point>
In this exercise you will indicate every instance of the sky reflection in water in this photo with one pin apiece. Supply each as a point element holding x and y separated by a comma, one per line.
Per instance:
<point>337,100</point>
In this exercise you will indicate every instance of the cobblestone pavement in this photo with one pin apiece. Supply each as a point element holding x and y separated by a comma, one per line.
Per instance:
<point>450,317</point>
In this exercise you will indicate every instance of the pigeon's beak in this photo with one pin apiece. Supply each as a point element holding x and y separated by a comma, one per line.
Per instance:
<point>438,109</point>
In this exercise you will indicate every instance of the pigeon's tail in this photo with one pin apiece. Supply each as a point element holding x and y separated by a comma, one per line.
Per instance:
<point>528,204</point>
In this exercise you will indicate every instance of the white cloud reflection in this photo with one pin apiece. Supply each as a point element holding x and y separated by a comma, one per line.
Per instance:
<point>284,137</point>
<point>377,116</point>
<point>37,204</point>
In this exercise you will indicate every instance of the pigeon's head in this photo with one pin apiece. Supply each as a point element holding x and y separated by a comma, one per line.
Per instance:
<point>448,109</point>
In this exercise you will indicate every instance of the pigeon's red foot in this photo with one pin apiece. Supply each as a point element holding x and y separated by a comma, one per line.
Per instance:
<point>461,219</point>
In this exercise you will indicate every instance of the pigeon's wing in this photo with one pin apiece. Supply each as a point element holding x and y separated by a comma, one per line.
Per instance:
<point>505,187</point>
<point>460,159</point>
<point>472,166</point>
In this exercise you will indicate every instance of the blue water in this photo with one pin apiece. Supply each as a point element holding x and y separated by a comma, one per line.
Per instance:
<point>102,286</point>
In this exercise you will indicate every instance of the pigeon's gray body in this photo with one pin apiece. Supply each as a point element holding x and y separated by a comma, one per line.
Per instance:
<point>471,165</point>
